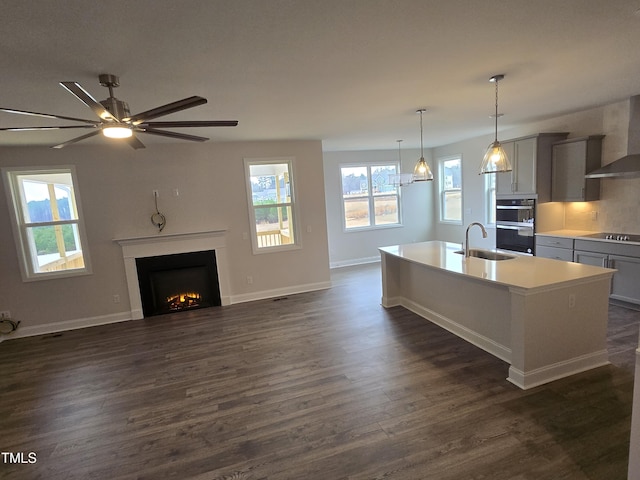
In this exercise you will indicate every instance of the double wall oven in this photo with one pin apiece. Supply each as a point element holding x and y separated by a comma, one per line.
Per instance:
<point>515,224</point>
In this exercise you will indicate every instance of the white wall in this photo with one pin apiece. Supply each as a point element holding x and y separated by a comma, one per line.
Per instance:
<point>115,186</point>
<point>348,248</point>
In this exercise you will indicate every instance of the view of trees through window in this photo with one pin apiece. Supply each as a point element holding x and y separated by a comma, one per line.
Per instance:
<point>368,198</point>
<point>47,221</point>
<point>45,237</point>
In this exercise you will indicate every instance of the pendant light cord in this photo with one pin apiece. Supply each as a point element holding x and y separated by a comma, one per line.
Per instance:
<point>421,144</point>
<point>496,139</point>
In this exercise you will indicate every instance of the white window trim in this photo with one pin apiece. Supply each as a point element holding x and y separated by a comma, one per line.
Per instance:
<point>297,243</point>
<point>441,191</point>
<point>24,257</point>
<point>487,198</point>
<point>368,165</point>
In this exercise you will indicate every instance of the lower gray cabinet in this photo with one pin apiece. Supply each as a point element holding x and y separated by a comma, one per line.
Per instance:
<point>625,258</point>
<point>626,281</point>
<point>558,248</point>
<point>590,258</point>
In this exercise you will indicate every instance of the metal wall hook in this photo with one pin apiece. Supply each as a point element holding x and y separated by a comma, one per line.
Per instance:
<point>158,219</point>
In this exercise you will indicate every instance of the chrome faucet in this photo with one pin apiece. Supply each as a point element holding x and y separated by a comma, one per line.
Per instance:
<point>466,238</point>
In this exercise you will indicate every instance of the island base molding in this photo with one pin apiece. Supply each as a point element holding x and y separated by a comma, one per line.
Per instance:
<point>480,341</point>
<point>523,380</point>
<point>557,371</point>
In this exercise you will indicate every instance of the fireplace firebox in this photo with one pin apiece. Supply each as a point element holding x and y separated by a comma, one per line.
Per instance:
<point>177,282</point>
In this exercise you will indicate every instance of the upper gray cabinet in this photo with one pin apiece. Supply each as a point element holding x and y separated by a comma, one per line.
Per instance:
<point>531,160</point>
<point>571,160</point>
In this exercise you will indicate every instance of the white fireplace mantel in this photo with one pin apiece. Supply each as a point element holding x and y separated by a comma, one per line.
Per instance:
<point>169,244</point>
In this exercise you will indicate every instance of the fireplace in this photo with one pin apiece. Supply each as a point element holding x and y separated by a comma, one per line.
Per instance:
<point>183,281</point>
<point>168,245</point>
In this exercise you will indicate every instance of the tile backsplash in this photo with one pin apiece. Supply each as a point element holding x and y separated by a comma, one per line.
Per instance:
<point>618,211</point>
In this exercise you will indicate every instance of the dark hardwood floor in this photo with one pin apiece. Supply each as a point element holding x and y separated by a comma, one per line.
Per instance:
<point>325,385</point>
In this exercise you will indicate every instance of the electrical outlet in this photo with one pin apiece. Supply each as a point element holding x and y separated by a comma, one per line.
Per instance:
<point>572,300</point>
<point>116,298</point>
<point>249,279</point>
<point>5,315</point>
<point>156,193</point>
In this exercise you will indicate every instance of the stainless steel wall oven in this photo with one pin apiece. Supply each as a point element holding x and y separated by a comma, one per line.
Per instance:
<point>515,224</point>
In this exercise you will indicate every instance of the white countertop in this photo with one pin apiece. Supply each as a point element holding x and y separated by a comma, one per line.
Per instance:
<point>523,271</point>
<point>566,233</point>
<point>583,235</point>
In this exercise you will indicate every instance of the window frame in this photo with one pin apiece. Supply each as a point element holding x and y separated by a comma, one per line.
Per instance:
<point>292,204</point>
<point>490,192</point>
<point>19,225</point>
<point>442,191</point>
<point>370,196</point>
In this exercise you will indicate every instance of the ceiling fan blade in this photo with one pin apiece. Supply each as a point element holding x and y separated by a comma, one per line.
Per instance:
<point>84,96</point>
<point>26,129</point>
<point>166,109</point>
<point>77,139</point>
<point>181,136</point>
<point>135,142</point>
<point>47,115</point>
<point>197,123</point>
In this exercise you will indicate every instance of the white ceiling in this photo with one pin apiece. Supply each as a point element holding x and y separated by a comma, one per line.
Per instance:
<point>348,72</point>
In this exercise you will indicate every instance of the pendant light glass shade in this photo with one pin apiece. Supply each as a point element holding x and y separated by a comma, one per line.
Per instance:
<point>495,159</point>
<point>422,172</point>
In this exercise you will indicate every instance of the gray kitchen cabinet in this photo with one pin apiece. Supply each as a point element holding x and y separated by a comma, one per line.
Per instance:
<point>624,257</point>
<point>531,161</point>
<point>625,285</point>
<point>558,248</point>
<point>571,160</point>
<point>590,258</point>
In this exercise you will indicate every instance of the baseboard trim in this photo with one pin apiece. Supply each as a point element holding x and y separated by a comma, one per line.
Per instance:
<point>480,341</point>
<point>279,292</point>
<point>558,370</point>
<point>69,325</point>
<point>354,261</point>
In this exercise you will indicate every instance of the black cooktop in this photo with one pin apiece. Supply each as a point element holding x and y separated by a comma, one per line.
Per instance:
<point>620,237</point>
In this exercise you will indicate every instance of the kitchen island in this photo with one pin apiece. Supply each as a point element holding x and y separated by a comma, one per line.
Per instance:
<point>546,318</point>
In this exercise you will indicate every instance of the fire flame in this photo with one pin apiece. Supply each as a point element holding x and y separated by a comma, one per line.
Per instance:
<point>184,300</point>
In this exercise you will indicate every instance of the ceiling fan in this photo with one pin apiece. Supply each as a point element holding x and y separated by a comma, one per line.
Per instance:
<point>116,120</point>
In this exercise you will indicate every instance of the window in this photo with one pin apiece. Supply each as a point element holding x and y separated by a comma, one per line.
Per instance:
<point>368,199</point>
<point>271,197</point>
<point>490,195</point>
<point>450,189</point>
<point>47,222</point>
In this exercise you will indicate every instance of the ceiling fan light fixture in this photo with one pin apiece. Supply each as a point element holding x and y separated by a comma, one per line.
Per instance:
<point>495,159</point>
<point>117,131</point>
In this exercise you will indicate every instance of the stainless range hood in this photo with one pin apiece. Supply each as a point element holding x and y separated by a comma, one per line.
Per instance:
<point>629,165</point>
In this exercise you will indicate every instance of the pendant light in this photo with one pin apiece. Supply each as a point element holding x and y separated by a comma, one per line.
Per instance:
<point>422,172</point>
<point>495,160</point>
<point>400,179</point>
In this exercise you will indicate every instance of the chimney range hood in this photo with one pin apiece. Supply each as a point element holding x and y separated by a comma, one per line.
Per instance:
<point>629,165</point>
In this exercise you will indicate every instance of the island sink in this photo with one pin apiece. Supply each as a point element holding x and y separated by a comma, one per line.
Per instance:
<point>486,254</point>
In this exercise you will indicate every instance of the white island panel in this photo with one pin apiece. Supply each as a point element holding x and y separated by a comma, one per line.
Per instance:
<point>546,318</point>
